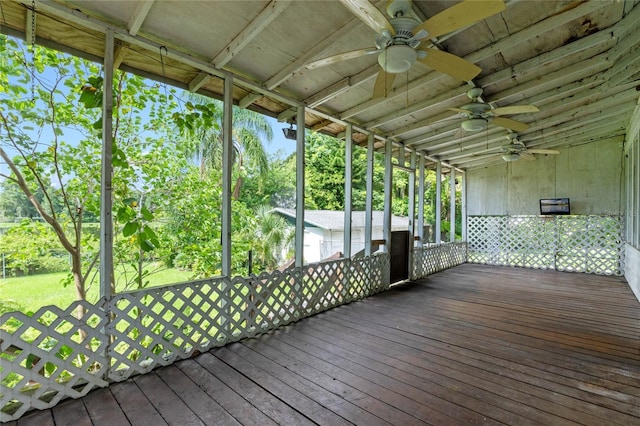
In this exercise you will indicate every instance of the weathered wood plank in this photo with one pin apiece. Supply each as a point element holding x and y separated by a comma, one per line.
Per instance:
<point>300,402</point>
<point>71,413</point>
<point>168,404</point>
<point>206,408</point>
<point>104,409</point>
<point>301,383</point>
<point>135,404</point>
<point>232,402</point>
<point>37,418</point>
<point>277,410</point>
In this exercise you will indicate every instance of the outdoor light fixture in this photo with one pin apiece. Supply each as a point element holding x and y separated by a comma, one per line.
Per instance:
<point>290,133</point>
<point>513,156</point>
<point>474,124</point>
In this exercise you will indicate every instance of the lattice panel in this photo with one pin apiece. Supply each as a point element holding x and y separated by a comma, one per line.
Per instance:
<point>50,356</point>
<point>435,258</point>
<point>380,278</point>
<point>592,244</point>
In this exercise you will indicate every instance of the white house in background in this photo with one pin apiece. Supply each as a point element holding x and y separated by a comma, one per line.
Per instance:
<point>324,230</point>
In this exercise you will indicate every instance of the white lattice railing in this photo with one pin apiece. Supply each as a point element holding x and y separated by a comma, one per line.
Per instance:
<point>434,258</point>
<point>52,355</point>
<point>592,244</point>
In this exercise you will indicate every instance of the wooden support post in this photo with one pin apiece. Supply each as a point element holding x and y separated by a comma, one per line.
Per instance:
<point>438,202</point>
<point>227,166</point>
<point>452,205</point>
<point>412,209</point>
<point>463,200</point>
<point>368,214</point>
<point>421,235</point>
<point>348,202</point>
<point>388,186</point>
<point>106,201</point>
<point>299,241</point>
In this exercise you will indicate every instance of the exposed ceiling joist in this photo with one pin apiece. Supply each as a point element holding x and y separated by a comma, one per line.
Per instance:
<point>268,15</point>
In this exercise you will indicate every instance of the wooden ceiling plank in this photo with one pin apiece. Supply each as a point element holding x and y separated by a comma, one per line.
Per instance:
<point>587,124</point>
<point>536,67</point>
<point>317,49</point>
<point>555,111</point>
<point>340,87</point>
<point>522,36</point>
<point>579,106</point>
<point>139,15</point>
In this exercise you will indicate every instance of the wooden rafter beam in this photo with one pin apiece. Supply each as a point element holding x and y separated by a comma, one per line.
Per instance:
<point>138,16</point>
<point>240,41</point>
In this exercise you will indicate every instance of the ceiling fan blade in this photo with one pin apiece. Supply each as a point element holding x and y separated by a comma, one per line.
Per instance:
<point>369,14</point>
<point>514,109</point>
<point>527,155</point>
<point>508,123</point>
<point>459,16</point>
<point>383,84</point>
<point>543,151</point>
<point>341,57</point>
<point>450,64</point>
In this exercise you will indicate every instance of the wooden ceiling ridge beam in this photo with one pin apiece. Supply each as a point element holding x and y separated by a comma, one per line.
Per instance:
<point>240,41</point>
<point>517,38</point>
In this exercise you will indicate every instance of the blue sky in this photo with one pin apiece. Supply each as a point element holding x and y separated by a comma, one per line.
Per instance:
<point>279,143</point>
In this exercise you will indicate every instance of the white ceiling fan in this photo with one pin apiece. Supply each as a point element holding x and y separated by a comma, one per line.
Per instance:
<point>478,114</point>
<point>398,39</point>
<point>515,150</point>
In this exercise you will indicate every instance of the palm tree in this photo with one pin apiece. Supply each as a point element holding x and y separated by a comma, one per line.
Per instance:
<point>273,238</point>
<point>249,129</point>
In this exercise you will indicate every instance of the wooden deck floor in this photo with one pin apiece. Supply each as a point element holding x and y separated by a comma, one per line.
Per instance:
<point>471,345</point>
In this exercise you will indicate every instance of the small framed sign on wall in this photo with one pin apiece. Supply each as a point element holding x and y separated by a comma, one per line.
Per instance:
<point>555,206</point>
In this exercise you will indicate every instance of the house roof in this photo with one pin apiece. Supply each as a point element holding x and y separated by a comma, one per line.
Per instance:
<point>334,220</point>
<point>577,61</point>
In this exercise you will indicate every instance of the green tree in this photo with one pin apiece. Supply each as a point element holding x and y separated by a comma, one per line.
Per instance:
<point>50,139</point>
<point>203,125</point>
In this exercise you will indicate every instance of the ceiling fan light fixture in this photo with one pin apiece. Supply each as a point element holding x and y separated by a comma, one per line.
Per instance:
<point>474,124</point>
<point>512,156</point>
<point>397,58</point>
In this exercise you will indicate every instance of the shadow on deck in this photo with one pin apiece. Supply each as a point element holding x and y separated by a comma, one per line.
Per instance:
<point>470,345</point>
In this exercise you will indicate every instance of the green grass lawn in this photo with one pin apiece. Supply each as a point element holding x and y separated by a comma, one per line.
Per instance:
<point>28,294</point>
